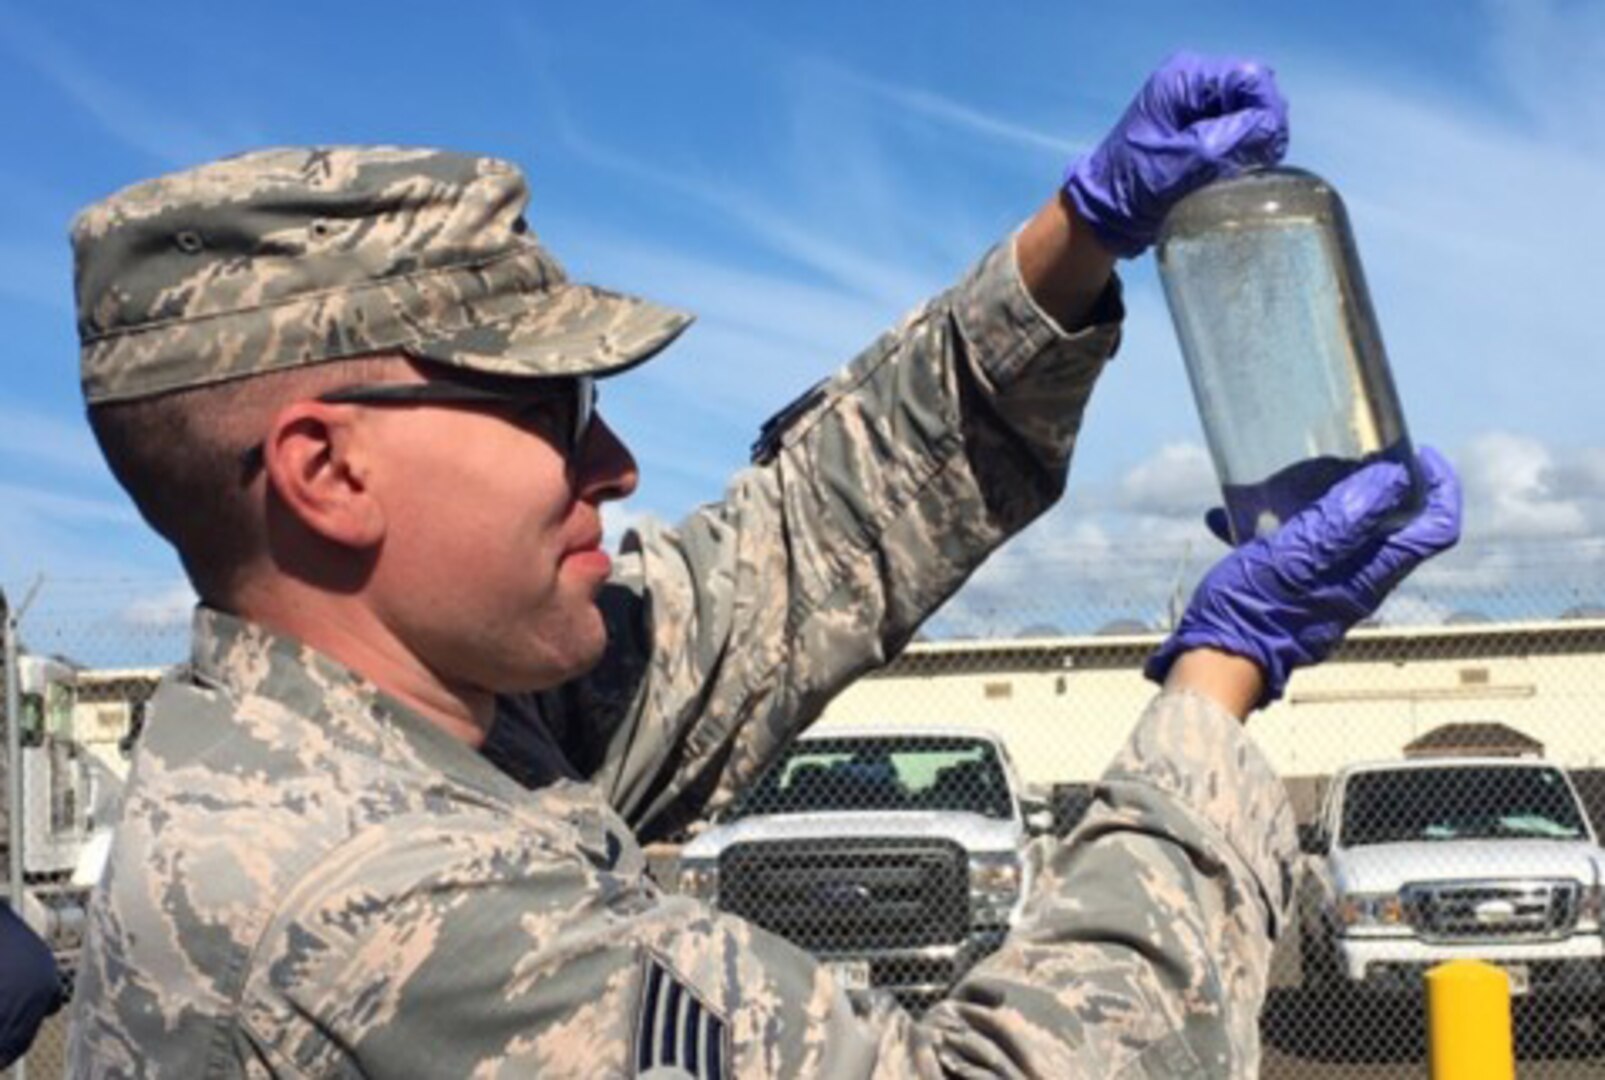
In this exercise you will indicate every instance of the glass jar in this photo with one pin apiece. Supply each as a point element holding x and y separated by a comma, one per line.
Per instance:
<point>1282,346</point>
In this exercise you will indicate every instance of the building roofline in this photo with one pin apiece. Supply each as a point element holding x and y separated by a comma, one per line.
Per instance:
<point>1129,650</point>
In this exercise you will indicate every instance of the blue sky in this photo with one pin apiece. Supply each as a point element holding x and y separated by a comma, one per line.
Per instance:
<point>802,174</point>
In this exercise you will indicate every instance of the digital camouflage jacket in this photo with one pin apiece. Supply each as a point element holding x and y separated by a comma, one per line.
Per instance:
<point>311,880</point>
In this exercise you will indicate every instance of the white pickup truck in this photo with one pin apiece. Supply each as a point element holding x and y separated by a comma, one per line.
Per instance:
<point>1421,861</point>
<point>891,854</point>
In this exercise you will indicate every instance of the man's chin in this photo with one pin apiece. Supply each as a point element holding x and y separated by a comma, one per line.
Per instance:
<point>573,658</point>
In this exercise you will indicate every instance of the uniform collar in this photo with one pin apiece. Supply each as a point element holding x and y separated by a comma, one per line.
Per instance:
<point>246,660</point>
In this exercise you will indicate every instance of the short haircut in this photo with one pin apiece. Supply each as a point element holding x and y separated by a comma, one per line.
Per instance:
<point>178,457</point>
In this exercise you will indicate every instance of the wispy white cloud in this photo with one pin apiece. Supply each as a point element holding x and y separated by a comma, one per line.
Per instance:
<point>1534,544</point>
<point>61,506</point>
<point>110,619</point>
<point>1552,56</point>
<point>1079,570</point>
<point>1411,609</point>
<point>823,187</point>
<point>51,440</point>
<point>796,325</point>
<point>847,266</point>
<point>962,118</point>
<point>120,111</point>
<point>1473,231</point>
<point>1177,481</point>
<point>167,608</point>
<point>61,534</point>
<point>1512,490</point>
<point>1579,476</point>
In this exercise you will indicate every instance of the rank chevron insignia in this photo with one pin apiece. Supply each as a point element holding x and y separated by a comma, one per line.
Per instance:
<point>677,1035</point>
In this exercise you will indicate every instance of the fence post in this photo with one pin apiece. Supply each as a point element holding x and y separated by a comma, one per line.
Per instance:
<point>13,778</point>
<point>1468,1022</point>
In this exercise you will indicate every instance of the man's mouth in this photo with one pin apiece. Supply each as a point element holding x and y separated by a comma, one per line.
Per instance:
<point>588,555</point>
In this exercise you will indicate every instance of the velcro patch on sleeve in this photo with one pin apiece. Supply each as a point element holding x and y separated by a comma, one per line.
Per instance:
<point>773,433</point>
<point>677,1036</point>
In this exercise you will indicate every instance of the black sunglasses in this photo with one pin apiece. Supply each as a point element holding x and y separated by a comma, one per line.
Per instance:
<point>577,395</point>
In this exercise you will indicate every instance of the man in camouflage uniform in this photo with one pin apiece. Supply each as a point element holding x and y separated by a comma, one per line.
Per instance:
<point>385,822</point>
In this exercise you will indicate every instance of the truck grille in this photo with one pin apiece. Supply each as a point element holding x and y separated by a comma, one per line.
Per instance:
<point>840,896</point>
<point>1492,910</point>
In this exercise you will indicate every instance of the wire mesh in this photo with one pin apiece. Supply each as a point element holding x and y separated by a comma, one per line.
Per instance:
<point>888,840</point>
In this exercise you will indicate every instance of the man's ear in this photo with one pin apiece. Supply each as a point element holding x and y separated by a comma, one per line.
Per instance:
<point>318,466</point>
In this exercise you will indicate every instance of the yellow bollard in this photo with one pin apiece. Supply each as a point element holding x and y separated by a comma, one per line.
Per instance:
<point>1468,1022</point>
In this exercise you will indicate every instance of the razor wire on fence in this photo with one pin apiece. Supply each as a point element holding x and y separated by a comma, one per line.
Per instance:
<point>1447,767</point>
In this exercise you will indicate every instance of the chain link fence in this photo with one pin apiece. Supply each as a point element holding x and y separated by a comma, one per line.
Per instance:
<point>1446,767</point>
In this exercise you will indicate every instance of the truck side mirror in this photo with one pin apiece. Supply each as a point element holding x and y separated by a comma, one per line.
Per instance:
<point>1312,838</point>
<point>1068,804</point>
<point>1038,816</point>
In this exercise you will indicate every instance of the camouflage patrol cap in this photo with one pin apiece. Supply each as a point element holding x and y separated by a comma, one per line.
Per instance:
<point>285,257</point>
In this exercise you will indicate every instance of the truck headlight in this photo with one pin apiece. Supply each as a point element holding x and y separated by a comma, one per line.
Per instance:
<point>700,879</point>
<point>1359,910</point>
<point>994,885</point>
<point>1591,907</point>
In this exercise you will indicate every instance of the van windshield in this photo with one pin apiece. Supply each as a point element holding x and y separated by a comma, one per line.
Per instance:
<point>1494,802</point>
<point>917,773</point>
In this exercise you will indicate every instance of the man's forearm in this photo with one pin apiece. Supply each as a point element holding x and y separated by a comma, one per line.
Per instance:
<point>1063,264</point>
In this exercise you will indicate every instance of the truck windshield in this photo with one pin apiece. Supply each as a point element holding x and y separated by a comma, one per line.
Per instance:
<point>1393,806</point>
<point>882,774</point>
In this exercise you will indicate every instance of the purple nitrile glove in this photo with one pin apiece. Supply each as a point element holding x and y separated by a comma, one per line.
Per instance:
<point>1284,600</point>
<point>1196,119</point>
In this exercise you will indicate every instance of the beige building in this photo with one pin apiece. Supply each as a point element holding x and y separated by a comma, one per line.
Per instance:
<point>1063,705</point>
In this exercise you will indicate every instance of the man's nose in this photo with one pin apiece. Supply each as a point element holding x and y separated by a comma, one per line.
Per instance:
<point>606,469</point>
